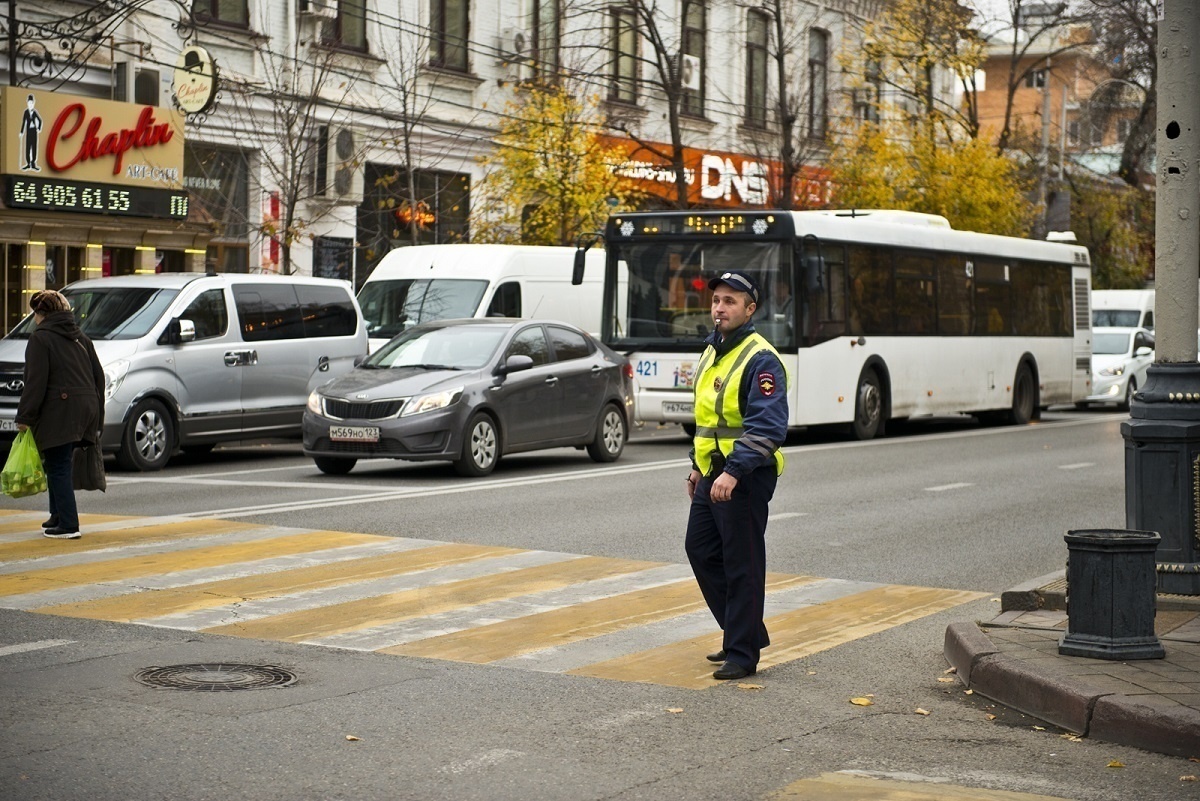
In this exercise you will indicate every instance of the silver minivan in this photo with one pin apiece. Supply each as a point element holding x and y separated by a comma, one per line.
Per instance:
<point>191,360</point>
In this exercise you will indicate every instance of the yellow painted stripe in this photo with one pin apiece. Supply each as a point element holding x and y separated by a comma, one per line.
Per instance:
<point>150,564</point>
<point>159,532</point>
<point>793,635</point>
<point>560,627</point>
<point>158,603</point>
<point>10,512</point>
<point>309,624</point>
<point>33,524</point>
<point>848,787</point>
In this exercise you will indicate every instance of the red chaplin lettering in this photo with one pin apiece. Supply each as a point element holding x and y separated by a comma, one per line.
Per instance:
<point>148,132</point>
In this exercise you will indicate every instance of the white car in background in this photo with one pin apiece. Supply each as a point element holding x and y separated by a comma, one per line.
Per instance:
<point>1120,358</point>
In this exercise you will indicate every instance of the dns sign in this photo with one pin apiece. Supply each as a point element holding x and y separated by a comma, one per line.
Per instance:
<point>421,213</point>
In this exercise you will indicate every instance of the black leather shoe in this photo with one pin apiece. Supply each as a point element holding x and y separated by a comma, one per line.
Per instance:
<point>719,656</point>
<point>731,670</point>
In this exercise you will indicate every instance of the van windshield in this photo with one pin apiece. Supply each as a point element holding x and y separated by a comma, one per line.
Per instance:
<point>1116,318</point>
<point>120,312</point>
<point>390,307</point>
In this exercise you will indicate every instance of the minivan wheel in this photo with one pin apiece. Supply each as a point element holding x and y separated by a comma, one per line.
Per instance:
<point>611,434</point>
<point>480,447</point>
<point>148,438</point>
<point>334,465</point>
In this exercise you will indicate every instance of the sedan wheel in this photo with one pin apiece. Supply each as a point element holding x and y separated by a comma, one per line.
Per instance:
<point>610,436</point>
<point>480,448</point>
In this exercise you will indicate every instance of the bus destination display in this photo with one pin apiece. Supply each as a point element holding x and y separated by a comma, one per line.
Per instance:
<point>122,201</point>
<point>703,224</point>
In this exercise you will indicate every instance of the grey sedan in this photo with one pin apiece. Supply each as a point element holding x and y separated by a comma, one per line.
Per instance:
<point>470,391</point>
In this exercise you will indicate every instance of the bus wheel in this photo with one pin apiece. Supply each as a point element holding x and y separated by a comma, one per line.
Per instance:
<point>868,407</point>
<point>1024,397</point>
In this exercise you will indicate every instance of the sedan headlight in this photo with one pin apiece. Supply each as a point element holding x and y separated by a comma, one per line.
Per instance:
<point>1114,371</point>
<point>432,401</point>
<point>114,374</point>
<point>314,402</point>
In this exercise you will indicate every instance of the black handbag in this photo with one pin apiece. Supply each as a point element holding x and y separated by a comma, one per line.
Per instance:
<point>87,469</point>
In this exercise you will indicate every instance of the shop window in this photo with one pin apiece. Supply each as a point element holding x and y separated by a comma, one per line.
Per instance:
<point>389,218</point>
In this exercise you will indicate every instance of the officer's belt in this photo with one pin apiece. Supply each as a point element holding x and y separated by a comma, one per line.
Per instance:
<point>722,433</point>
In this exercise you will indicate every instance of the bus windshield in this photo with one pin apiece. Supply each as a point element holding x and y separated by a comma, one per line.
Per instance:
<point>390,307</point>
<point>662,295</point>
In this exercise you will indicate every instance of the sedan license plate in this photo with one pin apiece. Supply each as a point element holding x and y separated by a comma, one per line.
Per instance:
<point>677,408</point>
<point>354,433</point>
<point>8,425</point>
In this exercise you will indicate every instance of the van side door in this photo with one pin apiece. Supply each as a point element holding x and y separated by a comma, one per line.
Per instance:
<point>333,329</point>
<point>272,358</point>
<point>209,384</point>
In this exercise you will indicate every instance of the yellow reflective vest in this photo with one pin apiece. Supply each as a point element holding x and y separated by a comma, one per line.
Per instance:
<point>717,403</point>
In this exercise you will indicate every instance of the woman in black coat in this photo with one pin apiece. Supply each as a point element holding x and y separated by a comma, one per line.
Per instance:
<point>62,402</point>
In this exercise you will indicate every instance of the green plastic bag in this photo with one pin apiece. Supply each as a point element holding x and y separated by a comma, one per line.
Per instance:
<point>23,474</point>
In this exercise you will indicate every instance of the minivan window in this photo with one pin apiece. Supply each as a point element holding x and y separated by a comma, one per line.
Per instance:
<point>111,312</point>
<point>208,313</point>
<point>327,311</point>
<point>391,306</point>
<point>268,311</point>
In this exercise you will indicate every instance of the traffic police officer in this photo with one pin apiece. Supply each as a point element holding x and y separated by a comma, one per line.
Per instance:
<point>741,422</point>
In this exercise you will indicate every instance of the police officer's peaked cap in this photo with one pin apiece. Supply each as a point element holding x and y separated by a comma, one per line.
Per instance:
<point>736,279</point>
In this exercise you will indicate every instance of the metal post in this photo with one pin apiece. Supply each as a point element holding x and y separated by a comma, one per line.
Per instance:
<point>1162,440</point>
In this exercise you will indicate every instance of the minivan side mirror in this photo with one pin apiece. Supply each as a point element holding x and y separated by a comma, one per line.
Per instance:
<point>515,364</point>
<point>178,331</point>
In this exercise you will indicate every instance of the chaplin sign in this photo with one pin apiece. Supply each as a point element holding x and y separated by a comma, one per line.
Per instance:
<point>51,135</point>
<point>195,81</point>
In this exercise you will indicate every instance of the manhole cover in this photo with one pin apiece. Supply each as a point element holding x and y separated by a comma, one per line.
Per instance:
<point>215,677</point>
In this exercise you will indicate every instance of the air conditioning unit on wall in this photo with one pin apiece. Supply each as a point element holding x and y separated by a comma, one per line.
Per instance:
<point>689,72</point>
<point>325,9</point>
<point>134,82</point>
<point>340,178</point>
<point>514,46</point>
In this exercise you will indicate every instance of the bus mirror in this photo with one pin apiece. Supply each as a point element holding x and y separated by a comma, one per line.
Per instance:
<point>814,270</point>
<point>577,272</point>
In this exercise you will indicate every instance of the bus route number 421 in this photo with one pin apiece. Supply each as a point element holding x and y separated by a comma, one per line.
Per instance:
<point>646,369</point>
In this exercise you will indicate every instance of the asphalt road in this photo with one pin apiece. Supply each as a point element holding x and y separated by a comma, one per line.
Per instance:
<point>945,504</point>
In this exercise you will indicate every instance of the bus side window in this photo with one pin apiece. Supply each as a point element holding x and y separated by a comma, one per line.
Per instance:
<point>915,297</point>
<point>954,296</point>
<point>993,298</point>
<point>870,290</point>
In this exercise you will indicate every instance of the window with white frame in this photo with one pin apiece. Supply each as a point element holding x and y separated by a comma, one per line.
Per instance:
<point>818,83</point>
<point>623,85</point>
<point>230,12</point>
<point>547,33</point>
<point>349,29</point>
<point>695,38</point>
<point>450,23</point>
<point>757,38</point>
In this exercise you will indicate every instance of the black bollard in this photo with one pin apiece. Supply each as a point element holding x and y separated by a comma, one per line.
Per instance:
<point>1111,595</point>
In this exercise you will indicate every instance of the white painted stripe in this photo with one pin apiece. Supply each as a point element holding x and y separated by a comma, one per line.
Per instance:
<point>25,647</point>
<point>485,614</point>
<point>786,515</point>
<point>1076,466</point>
<point>676,629</point>
<point>283,604</point>
<point>945,487</point>
<point>187,578</point>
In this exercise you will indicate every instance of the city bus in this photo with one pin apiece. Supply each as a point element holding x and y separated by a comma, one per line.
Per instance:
<point>878,315</point>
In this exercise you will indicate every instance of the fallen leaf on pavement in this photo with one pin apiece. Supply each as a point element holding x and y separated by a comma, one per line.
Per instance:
<point>1115,764</point>
<point>968,692</point>
<point>1188,779</point>
<point>1193,759</point>
<point>950,670</point>
<point>750,686</point>
<point>1039,728</point>
<point>674,710</point>
<point>922,711</point>
<point>1075,738</point>
<point>991,717</point>
<point>862,701</point>
<point>947,680</point>
<point>812,672</point>
<point>352,738</point>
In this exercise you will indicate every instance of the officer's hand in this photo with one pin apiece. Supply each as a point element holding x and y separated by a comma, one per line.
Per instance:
<point>692,479</point>
<point>722,488</point>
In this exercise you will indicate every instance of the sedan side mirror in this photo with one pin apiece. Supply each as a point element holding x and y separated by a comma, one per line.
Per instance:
<point>515,364</point>
<point>1144,351</point>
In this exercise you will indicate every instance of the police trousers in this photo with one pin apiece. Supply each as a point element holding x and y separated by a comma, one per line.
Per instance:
<point>726,545</point>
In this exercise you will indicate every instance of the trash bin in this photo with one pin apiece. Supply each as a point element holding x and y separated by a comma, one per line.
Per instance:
<point>1111,595</point>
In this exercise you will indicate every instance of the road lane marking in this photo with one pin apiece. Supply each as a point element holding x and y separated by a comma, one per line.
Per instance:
<point>786,516</point>
<point>945,487</point>
<point>25,647</point>
<point>41,546</point>
<point>1076,466</point>
<point>860,787</point>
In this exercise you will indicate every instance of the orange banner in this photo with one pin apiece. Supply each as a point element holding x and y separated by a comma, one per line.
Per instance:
<point>719,179</point>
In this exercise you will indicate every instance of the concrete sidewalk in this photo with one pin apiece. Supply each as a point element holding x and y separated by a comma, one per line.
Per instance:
<point>1152,704</point>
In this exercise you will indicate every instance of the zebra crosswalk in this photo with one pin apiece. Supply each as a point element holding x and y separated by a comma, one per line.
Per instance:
<point>619,619</point>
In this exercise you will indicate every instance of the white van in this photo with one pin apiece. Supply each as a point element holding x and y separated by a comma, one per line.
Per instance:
<point>1123,308</point>
<point>436,282</point>
<point>191,360</point>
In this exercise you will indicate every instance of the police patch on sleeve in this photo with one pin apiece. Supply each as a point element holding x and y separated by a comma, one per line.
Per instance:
<point>766,383</point>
